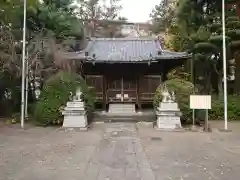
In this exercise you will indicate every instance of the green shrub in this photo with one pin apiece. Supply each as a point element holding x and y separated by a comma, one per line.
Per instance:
<point>55,95</point>
<point>183,89</point>
<point>217,111</point>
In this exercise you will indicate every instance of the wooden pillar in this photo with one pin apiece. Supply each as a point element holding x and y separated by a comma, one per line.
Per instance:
<point>139,104</point>
<point>104,84</point>
<point>81,69</point>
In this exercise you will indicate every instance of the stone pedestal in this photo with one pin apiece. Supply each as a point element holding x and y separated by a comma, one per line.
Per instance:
<point>168,116</point>
<point>75,115</point>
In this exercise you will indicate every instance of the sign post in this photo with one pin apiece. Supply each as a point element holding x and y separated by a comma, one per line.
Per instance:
<point>193,117</point>
<point>202,102</point>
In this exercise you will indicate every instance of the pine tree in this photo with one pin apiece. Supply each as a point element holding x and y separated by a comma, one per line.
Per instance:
<point>209,52</point>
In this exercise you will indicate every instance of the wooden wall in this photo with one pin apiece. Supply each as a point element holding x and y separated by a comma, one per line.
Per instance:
<point>137,81</point>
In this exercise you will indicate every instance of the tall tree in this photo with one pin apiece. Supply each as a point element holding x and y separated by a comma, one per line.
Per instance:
<point>163,15</point>
<point>57,17</point>
<point>199,25</point>
<point>215,41</point>
<point>54,19</point>
<point>94,11</point>
<point>196,27</point>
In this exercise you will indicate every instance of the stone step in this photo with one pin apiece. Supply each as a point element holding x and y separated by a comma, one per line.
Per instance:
<point>121,112</point>
<point>110,107</point>
<point>123,117</point>
<point>122,108</point>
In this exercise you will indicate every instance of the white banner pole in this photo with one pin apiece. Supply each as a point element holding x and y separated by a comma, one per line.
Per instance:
<point>224,66</point>
<point>23,65</point>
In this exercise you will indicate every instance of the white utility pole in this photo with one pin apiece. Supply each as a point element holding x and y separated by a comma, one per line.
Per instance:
<point>224,67</point>
<point>26,88</point>
<point>23,64</point>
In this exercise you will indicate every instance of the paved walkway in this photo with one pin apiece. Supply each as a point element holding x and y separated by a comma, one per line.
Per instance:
<point>111,151</point>
<point>117,152</point>
<point>119,156</point>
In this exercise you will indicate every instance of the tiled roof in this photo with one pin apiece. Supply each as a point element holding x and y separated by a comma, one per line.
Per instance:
<point>125,49</point>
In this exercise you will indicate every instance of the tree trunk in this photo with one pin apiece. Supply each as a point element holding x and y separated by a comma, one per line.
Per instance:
<point>208,84</point>
<point>220,86</point>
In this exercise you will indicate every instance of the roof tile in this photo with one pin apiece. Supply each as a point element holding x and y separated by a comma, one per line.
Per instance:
<point>126,49</point>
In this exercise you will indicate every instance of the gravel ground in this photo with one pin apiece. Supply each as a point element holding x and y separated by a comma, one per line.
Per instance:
<point>193,155</point>
<point>118,151</point>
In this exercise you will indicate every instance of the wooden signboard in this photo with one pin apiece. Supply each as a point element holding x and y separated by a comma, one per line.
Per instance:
<point>200,101</point>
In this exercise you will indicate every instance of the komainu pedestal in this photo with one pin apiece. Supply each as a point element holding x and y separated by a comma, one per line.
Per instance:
<point>168,116</point>
<point>74,114</point>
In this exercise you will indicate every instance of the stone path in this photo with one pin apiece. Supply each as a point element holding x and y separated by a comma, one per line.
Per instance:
<point>119,156</point>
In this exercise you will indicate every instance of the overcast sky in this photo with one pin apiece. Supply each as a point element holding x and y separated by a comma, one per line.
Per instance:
<point>138,10</point>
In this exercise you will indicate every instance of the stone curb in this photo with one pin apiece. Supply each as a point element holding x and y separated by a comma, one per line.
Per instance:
<point>74,129</point>
<point>170,130</point>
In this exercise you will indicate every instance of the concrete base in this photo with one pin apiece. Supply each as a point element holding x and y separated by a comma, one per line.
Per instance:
<point>170,130</point>
<point>225,130</point>
<point>168,116</point>
<point>67,129</point>
<point>168,122</point>
<point>193,128</point>
<point>144,116</point>
<point>75,121</point>
<point>75,129</point>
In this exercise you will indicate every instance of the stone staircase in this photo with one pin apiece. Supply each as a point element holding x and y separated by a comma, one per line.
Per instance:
<point>124,109</point>
<point>123,113</point>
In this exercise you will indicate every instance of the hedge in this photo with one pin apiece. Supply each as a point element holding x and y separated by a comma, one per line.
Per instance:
<point>55,95</point>
<point>217,111</point>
